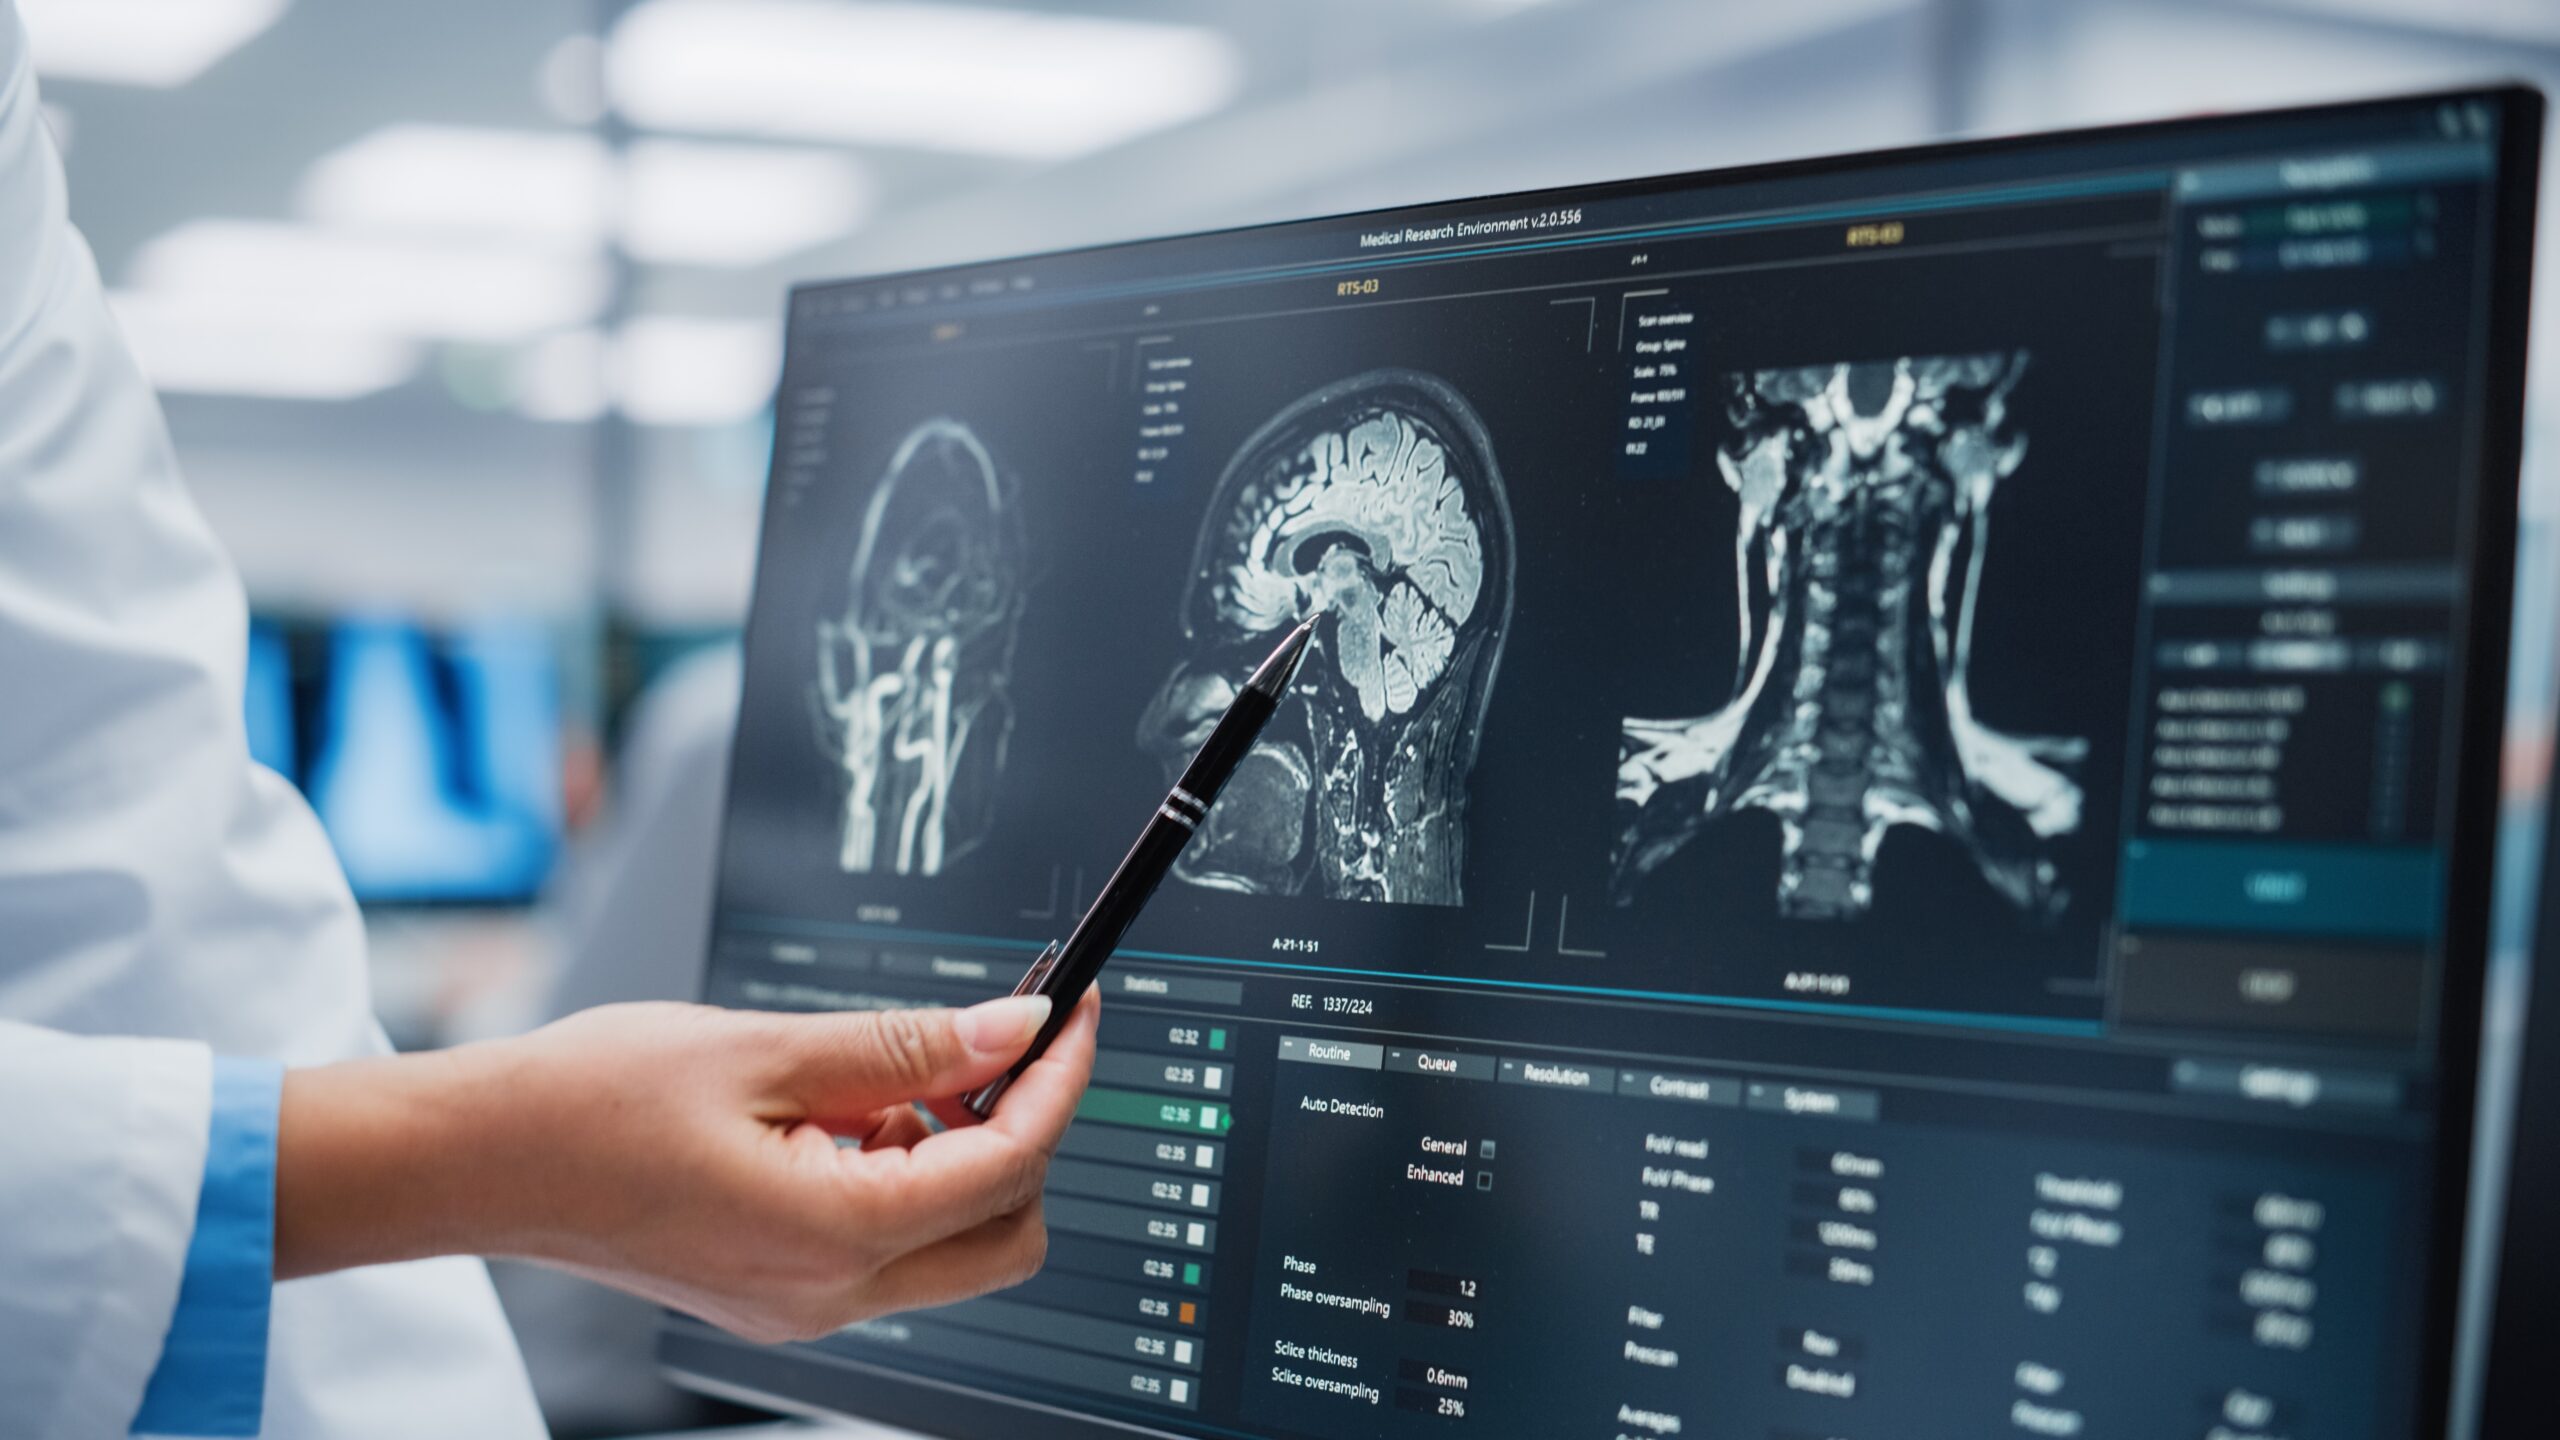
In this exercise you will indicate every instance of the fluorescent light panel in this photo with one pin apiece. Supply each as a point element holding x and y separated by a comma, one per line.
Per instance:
<point>1019,83</point>
<point>674,202</point>
<point>688,202</point>
<point>188,348</point>
<point>444,290</point>
<point>464,181</point>
<point>687,370</point>
<point>155,43</point>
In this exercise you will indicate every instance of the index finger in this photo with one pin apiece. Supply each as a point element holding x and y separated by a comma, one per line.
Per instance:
<point>949,1182</point>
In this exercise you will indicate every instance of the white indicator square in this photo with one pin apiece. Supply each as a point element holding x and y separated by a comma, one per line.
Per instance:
<point>1204,1156</point>
<point>1181,1354</point>
<point>1208,1117</point>
<point>1180,1390</point>
<point>1199,1195</point>
<point>1198,1234</point>
<point>1213,1077</point>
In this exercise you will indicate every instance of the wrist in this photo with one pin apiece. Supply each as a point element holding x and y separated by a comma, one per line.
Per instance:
<point>398,1158</point>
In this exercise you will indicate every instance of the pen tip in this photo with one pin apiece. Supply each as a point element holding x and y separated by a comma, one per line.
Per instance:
<point>1275,673</point>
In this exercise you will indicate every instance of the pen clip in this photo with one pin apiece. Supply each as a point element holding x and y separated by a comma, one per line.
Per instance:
<point>1034,979</point>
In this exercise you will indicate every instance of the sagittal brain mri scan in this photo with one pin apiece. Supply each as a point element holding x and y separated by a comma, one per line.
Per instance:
<point>1866,495</point>
<point>1376,503</point>
<point>911,696</point>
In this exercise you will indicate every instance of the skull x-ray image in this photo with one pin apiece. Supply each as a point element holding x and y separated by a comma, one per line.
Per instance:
<point>1866,494</point>
<point>1376,503</point>
<point>911,697</point>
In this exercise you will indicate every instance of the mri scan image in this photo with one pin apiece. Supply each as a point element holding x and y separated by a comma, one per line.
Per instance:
<point>1866,494</point>
<point>1376,503</point>
<point>911,694</point>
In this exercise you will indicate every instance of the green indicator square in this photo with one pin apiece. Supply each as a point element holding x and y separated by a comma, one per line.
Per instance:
<point>1217,1039</point>
<point>1190,1274</point>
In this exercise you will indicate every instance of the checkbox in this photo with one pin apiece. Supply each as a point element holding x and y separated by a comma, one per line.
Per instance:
<point>1484,1179</point>
<point>1204,1156</point>
<point>1484,1149</point>
<point>1180,1390</point>
<point>1198,1234</point>
<point>1199,1197</point>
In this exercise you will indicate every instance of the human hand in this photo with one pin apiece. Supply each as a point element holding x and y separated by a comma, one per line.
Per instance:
<point>689,1155</point>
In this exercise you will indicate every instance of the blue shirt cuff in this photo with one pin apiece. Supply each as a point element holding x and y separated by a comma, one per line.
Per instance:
<point>212,1377</point>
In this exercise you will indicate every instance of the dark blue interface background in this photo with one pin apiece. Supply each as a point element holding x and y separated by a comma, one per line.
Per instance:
<point>1873,841</point>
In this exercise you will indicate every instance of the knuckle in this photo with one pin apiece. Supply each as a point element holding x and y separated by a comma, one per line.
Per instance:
<point>1028,1172</point>
<point>1030,1251</point>
<point>905,1046</point>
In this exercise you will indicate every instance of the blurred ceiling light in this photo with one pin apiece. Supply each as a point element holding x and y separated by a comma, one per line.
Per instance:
<point>681,202</point>
<point>323,278</point>
<point>2528,20</point>
<point>1019,83</point>
<point>571,80</point>
<point>689,370</point>
<point>456,180</point>
<point>562,377</point>
<point>187,348</point>
<point>692,203</point>
<point>158,43</point>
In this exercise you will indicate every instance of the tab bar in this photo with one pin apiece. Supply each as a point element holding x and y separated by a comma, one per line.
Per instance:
<point>1349,1054</point>
<point>962,969</point>
<point>1823,1100</point>
<point>1446,1063</point>
<point>1560,1075</point>
<point>1154,985</point>
<point>1696,1089</point>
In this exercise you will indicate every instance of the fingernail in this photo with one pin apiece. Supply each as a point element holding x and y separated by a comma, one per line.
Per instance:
<point>1000,1027</point>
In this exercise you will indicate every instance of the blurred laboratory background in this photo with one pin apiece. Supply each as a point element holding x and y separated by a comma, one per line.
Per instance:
<point>466,315</point>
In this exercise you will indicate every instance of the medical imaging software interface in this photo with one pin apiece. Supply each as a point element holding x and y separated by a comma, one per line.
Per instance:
<point>1866,847</point>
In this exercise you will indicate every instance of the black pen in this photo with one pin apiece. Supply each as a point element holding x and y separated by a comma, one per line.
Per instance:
<point>1064,970</point>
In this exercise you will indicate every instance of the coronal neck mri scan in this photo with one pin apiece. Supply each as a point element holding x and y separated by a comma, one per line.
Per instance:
<point>1858,554</point>
<point>1884,829</point>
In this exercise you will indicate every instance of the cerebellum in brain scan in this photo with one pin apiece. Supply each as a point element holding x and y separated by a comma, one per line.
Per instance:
<point>1376,504</point>
<point>1866,494</point>
<point>912,696</point>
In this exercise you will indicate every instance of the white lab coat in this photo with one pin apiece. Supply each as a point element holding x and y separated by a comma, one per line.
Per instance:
<point>162,898</point>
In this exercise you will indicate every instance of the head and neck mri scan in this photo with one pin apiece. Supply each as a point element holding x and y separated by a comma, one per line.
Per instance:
<point>912,696</point>
<point>1375,501</point>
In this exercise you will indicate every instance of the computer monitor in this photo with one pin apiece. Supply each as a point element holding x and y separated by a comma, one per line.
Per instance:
<point>1887,832</point>
<point>431,755</point>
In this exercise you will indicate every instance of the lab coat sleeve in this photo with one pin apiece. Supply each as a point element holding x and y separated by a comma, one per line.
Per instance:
<point>120,638</point>
<point>102,1149</point>
<point>212,1376</point>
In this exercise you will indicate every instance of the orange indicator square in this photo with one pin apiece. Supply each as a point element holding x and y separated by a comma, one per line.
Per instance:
<point>1190,1313</point>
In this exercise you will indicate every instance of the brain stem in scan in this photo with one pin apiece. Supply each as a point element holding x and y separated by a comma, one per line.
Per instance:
<point>912,692</point>
<point>1865,497</point>
<point>1374,503</point>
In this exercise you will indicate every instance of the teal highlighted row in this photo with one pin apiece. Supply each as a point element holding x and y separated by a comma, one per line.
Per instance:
<point>2366,891</point>
<point>1129,1107</point>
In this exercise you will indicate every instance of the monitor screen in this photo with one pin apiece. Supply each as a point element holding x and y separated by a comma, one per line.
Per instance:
<point>1886,831</point>
<point>432,756</point>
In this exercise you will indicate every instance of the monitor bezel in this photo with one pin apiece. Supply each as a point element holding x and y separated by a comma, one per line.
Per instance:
<point>700,1357</point>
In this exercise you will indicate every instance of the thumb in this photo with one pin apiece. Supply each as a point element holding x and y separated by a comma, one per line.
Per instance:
<point>845,1065</point>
